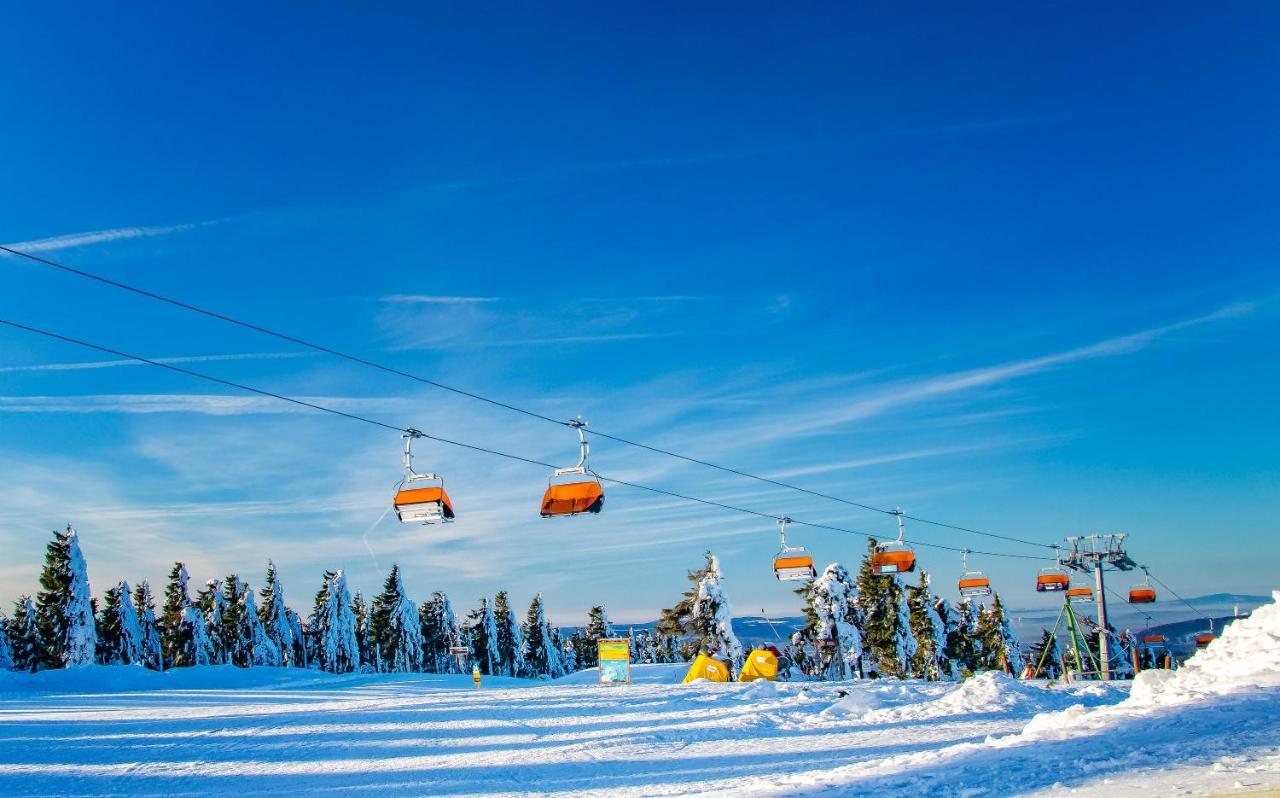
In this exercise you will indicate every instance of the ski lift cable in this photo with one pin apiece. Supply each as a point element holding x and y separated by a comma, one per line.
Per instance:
<point>1189,605</point>
<point>460,444</point>
<point>495,402</point>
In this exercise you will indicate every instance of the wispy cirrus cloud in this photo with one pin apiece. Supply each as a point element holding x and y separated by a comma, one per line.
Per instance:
<point>432,299</point>
<point>202,404</point>
<point>72,240</point>
<point>107,364</point>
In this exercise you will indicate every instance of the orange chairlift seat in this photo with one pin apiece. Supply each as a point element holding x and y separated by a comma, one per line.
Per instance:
<point>1205,638</point>
<point>1053,579</point>
<point>573,496</point>
<point>1080,594</point>
<point>972,583</point>
<point>1143,592</point>
<point>1153,640</point>
<point>793,563</point>
<point>894,557</point>
<point>420,498</point>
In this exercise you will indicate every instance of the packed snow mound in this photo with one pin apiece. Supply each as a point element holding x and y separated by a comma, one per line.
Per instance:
<point>854,705</point>
<point>1243,656</point>
<point>987,692</point>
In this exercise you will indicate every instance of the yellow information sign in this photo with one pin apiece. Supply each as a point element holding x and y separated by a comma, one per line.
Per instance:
<point>615,660</point>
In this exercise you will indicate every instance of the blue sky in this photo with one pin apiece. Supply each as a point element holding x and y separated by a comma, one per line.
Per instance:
<point>1012,269</point>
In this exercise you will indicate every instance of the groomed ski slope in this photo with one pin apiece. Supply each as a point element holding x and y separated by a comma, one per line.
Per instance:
<point>1211,728</point>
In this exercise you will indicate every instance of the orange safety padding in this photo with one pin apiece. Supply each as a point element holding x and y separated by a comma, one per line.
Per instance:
<point>425,496</point>
<point>572,498</point>
<point>894,561</point>
<point>1053,579</point>
<point>792,562</point>
<point>981,581</point>
<point>1141,595</point>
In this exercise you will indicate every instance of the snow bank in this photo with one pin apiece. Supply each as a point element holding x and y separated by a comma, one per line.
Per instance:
<point>1246,655</point>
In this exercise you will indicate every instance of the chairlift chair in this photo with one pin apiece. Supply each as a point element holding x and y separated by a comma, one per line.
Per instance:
<point>1153,640</point>
<point>895,557</point>
<point>1054,579</point>
<point>1080,594</point>
<point>420,498</point>
<point>793,563</point>
<point>565,497</point>
<point>1143,592</point>
<point>972,583</point>
<point>1205,638</point>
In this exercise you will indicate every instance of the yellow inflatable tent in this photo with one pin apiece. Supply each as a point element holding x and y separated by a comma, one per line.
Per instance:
<point>761,664</point>
<point>704,667</point>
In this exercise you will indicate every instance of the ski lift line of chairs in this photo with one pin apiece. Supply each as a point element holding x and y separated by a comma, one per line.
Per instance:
<point>894,557</point>
<point>1143,592</point>
<point>420,498</point>
<point>972,583</point>
<point>573,496</point>
<point>793,563</point>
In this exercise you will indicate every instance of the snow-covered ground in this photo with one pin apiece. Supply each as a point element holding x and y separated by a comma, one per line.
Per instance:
<point>1211,728</point>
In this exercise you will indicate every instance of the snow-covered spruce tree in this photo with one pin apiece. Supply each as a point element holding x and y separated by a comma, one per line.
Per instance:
<point>183,635</point>
<point>64,607</point>
<point>944,623</point>
<point>597,628</point>
<point>24,636</point>
<point>700,621</point>
<point>830,613</point>
<point>263,651</point>
<point>568,651</point>
<point>211,605</point>
<point>119,633</point>
<point>145,604</point>
<point>541,659</point>
<point>6,648</point>
<point>274,617</point>
<point>887,641</point>
<point>439,632</point>
<point>370,655</point>
<point>1045,653</point>
<point>232,627</point>
<point>962,645</point>
<point>1000,649</point>
<point>928,631</point>
<point>510,641</point>
<point>300,657</point>
<point>484,638</point>
<point>395,627</point>
<point>333,625</point>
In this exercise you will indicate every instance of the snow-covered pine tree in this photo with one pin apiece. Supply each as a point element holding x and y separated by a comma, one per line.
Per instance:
<point>333,625</point>
<point>370,654</point>
<point>145,604</point>
<point>999,645</point>
<point>6,649</point>
<point>886,635</point>
<point>274,617</point>
<point>1051,667</point>
<point>541,658</point>
<point>962,644</point>
<point>829,610</point>
<point>483,629</point>
<point>24,636</point>
<point>510,641</point>
<point>395,627</point>
<point>211,605</point>
<point>587,653</point>
<point>263,651</point>
<point>944,623</point>
<point>300,657</point>
<point>568,651</point>
<point>119,633</point>
<point>232,626</point>
<point>64,608</point>
<point>183,634</point>
<point>928,631</point>
<point>439,632</point>
<point>701,621</point>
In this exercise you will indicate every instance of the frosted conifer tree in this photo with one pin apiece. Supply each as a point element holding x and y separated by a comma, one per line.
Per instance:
<point>24,637</point>
<point>145,604</point>
<point>904,640</point>
<point>183,634</point>
<point>274,617</point>
<point>927,629</point>
<point>195,632</point>
<point>484,638</point>
<point>334,626</point>
<point>370,654</point>
<point>886,632</point>
<point>712,617</point>
<point>119,633</point>
<point>263,651</point>
<point>1000,649</point>
<point>395,627</point>
<point>830,611</point>
<point>510,641</point>
<point>597,628</point>
<point>962,646</point>
<point>300,658</point>
<point>64,608</point>
<point>541,657</point>
<point>232,628</point>
<point>212,605</point>
<point>6,649</point>
<point>568,651</point>
<point>439,632</point>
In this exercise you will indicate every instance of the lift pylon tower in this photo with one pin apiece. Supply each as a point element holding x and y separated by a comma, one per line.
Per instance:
<point>1093,553</point>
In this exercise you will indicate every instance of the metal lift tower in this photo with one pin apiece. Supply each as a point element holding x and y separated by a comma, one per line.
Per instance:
<point>1092,553</point>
